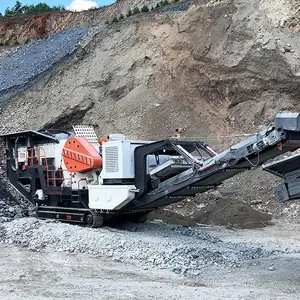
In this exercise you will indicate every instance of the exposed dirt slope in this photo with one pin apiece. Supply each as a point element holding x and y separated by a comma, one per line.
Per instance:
<point>20,28</point>
<point>205,67</point>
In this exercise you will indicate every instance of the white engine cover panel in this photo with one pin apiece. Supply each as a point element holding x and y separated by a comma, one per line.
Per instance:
<point>112,197</point>
<point>118,159</point>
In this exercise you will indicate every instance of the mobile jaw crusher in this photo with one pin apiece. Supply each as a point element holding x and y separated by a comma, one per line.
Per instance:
<point>88,182</point>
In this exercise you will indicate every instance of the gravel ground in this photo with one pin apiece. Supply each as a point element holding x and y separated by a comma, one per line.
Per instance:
<point>18,67</point>
<point>182,250</point>
<point>9,210</point>
<point>51,274</point>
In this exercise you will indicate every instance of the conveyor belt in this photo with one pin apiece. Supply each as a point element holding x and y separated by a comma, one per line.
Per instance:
<point>283,166</point>
<point>252,152</point>
<point>287,168</point>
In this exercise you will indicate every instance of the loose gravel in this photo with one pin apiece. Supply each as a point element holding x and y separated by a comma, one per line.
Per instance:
<point>20,66</point>
<point>9,208</point>
<point>177,8</point>
<point>12,204</point>
<point>9,211</point>
<point>183,250</point>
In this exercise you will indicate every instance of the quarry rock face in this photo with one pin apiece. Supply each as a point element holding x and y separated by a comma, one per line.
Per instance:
<point>33,27</point>
<point>216,68</point>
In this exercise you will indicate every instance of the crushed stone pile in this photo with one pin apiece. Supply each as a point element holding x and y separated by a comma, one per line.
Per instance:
<point>177,8</point>
<point>9,208</point>
<point>231,212</point>
<point>218,210</point>
<point>22,65</point>
<point>183,250</point>
<point>12,204</point>
<point>171,217</point>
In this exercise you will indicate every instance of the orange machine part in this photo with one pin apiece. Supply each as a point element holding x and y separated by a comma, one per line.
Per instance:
<point>80,156</point>
<point>103,140</point>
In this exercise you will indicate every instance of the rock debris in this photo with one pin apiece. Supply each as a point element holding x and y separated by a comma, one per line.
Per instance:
<point>182,250</point>
<point>22,65</point>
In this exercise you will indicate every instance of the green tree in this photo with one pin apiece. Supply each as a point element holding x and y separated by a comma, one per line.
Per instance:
<point>164,2</point>
<point>114,20</point>
<point>145,8</point>
<point>121,17</point>
<point>19,9</point>
<point>129,13</point>
<point>8,13</point>
<point>136,10</point>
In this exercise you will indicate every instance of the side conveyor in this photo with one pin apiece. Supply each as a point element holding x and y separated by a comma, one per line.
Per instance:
<point>254,151</point>
<point>287,168</point>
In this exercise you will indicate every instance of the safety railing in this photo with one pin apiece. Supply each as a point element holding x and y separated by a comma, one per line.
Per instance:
<point>51,175</point>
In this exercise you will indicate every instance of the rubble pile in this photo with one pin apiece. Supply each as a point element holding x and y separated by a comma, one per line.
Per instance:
<point>20,66</point>
<point>9,208</point>
<point>12,204</point>
<point>183,250</point>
